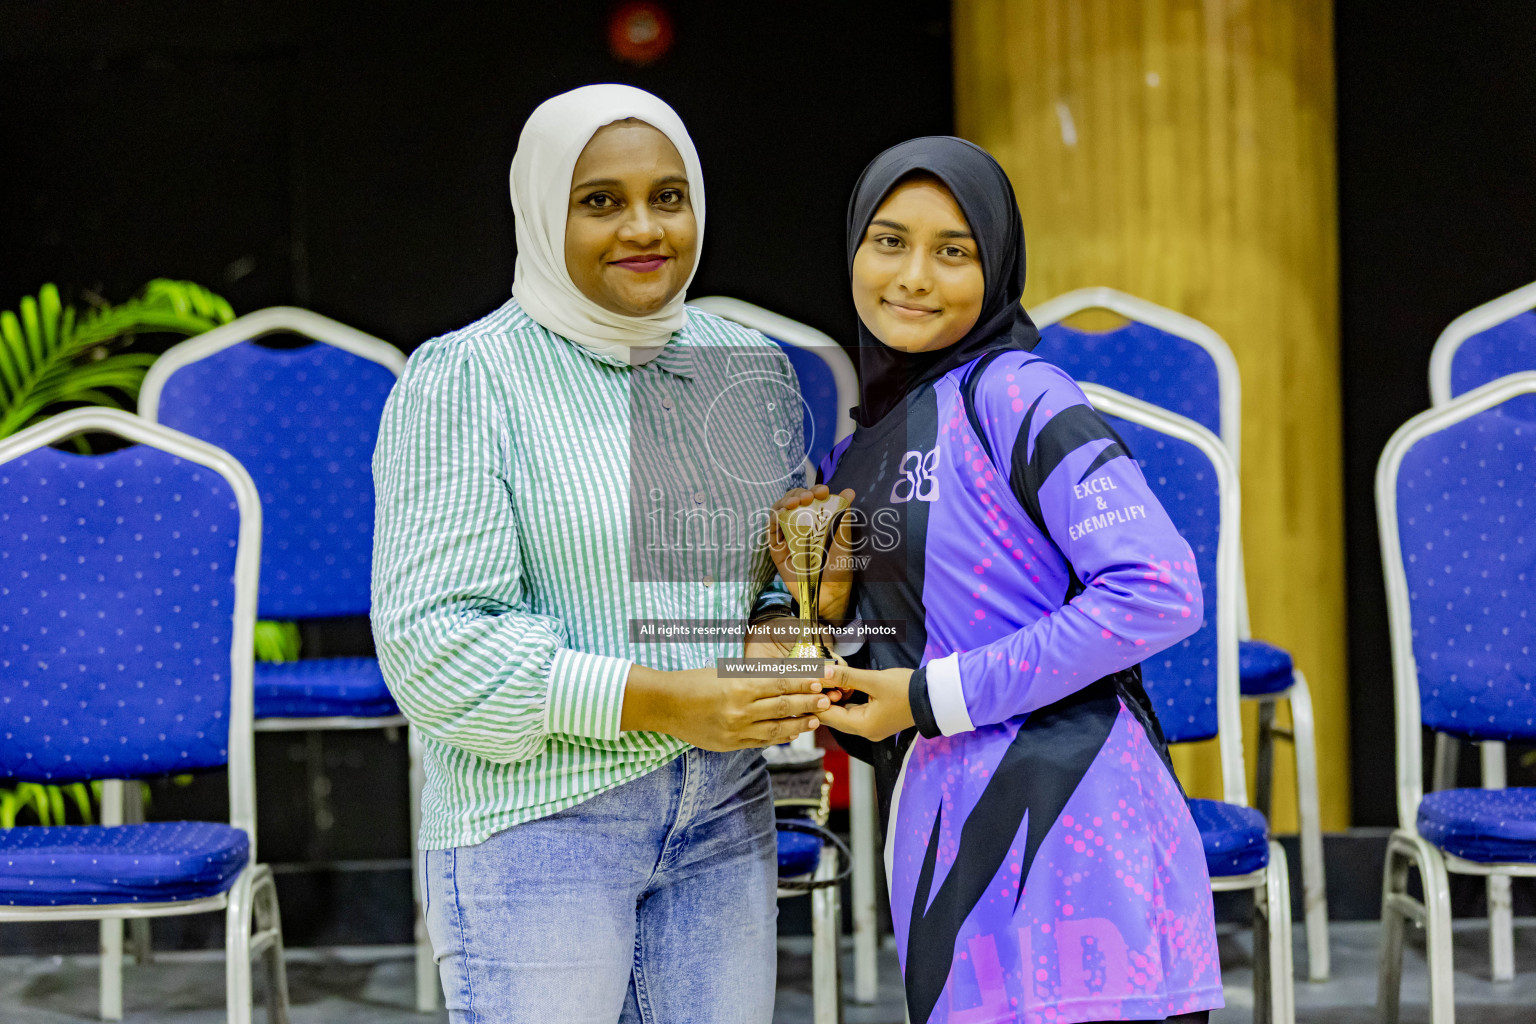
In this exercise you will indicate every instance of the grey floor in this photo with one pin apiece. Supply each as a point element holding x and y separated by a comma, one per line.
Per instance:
<point>373,985</point>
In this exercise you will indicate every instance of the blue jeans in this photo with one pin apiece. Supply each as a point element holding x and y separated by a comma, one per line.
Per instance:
<point>653,902</point>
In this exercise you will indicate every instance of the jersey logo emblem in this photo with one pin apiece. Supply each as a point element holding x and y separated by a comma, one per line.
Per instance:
<point>918,479</point>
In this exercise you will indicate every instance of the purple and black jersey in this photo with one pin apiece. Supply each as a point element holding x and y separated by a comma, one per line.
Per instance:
<point>1043,864</point>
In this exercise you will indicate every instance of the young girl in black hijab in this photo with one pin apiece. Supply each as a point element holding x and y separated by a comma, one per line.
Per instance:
<point>1043,863</point>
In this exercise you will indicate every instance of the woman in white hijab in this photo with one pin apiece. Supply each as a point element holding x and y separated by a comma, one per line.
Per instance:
<point>589,462</point>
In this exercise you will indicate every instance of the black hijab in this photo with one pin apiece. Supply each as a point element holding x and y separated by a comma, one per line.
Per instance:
<point>980,186</point>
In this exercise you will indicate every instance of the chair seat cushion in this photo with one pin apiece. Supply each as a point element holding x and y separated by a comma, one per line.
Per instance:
<point>1486,825</point>
<point>155,862</point>
<point>1235,838</point>
<point>799,853</point>
<point>1263,668</point>
<point>321,688</point>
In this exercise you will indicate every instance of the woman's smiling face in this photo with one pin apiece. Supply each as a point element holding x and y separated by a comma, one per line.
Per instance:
<point>630,234</point>
<point>917,279</point>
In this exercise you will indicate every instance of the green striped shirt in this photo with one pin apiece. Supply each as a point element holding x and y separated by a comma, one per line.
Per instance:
<point>533,499</point>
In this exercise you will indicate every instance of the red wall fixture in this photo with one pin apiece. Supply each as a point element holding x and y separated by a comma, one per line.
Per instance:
<point>640,32</point>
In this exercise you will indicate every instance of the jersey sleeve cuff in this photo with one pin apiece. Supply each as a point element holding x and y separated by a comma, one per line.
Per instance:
<point>946,700</point>
<point>586,694</point>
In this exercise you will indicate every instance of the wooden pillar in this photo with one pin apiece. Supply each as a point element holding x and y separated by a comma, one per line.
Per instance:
<point>1183,151</point>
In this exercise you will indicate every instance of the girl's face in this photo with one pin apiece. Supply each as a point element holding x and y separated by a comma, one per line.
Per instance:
<point>917,279</point>
<point>630,234</point>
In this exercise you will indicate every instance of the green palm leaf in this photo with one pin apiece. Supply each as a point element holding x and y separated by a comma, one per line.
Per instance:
<point>276,641</point>
<point>30,794</point>
<point>48,803</point>
<point>82,798</point>
<point>52,356</point>
<point>11,344</point>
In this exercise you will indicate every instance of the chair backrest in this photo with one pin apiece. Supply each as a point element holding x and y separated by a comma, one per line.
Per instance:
<point>1456,505</point>
<point>1483,344</point>
<point>303,422</point>
<point>1161,356</point>
<point>828,384</point>
<point>1194,685</point>
<point>129,587</point>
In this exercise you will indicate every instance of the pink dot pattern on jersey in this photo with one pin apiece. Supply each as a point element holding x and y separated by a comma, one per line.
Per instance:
<point>1115,920</point>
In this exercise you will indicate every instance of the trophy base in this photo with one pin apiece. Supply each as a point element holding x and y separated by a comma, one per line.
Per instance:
<point>815,652</point>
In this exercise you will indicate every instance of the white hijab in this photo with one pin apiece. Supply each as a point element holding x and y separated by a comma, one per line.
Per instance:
<point>552,141</point>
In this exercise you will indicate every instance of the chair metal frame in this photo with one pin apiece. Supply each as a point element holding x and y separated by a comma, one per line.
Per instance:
<point>253,896</point>
<point>1274,996</point>
<point>862,812</point>
<point>1407,848</point>
<point>1473,322</point>
<point>1302,734</point>
<point>322,329</point>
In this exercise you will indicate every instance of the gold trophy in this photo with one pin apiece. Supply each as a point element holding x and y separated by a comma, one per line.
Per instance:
<point>807,532</point>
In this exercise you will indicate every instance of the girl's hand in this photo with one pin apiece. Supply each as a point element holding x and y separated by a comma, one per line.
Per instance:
<point>837,578</point>
<point>888,710</point>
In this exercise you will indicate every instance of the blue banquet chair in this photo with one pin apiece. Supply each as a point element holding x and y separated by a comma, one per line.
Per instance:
<point>1454,491</point>
<point>829,388</point>
<point>1194,685</point>
<point>1478,347</point>
<point>129,583</point>
<point>303,421</point>
<point>1180,364</point>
